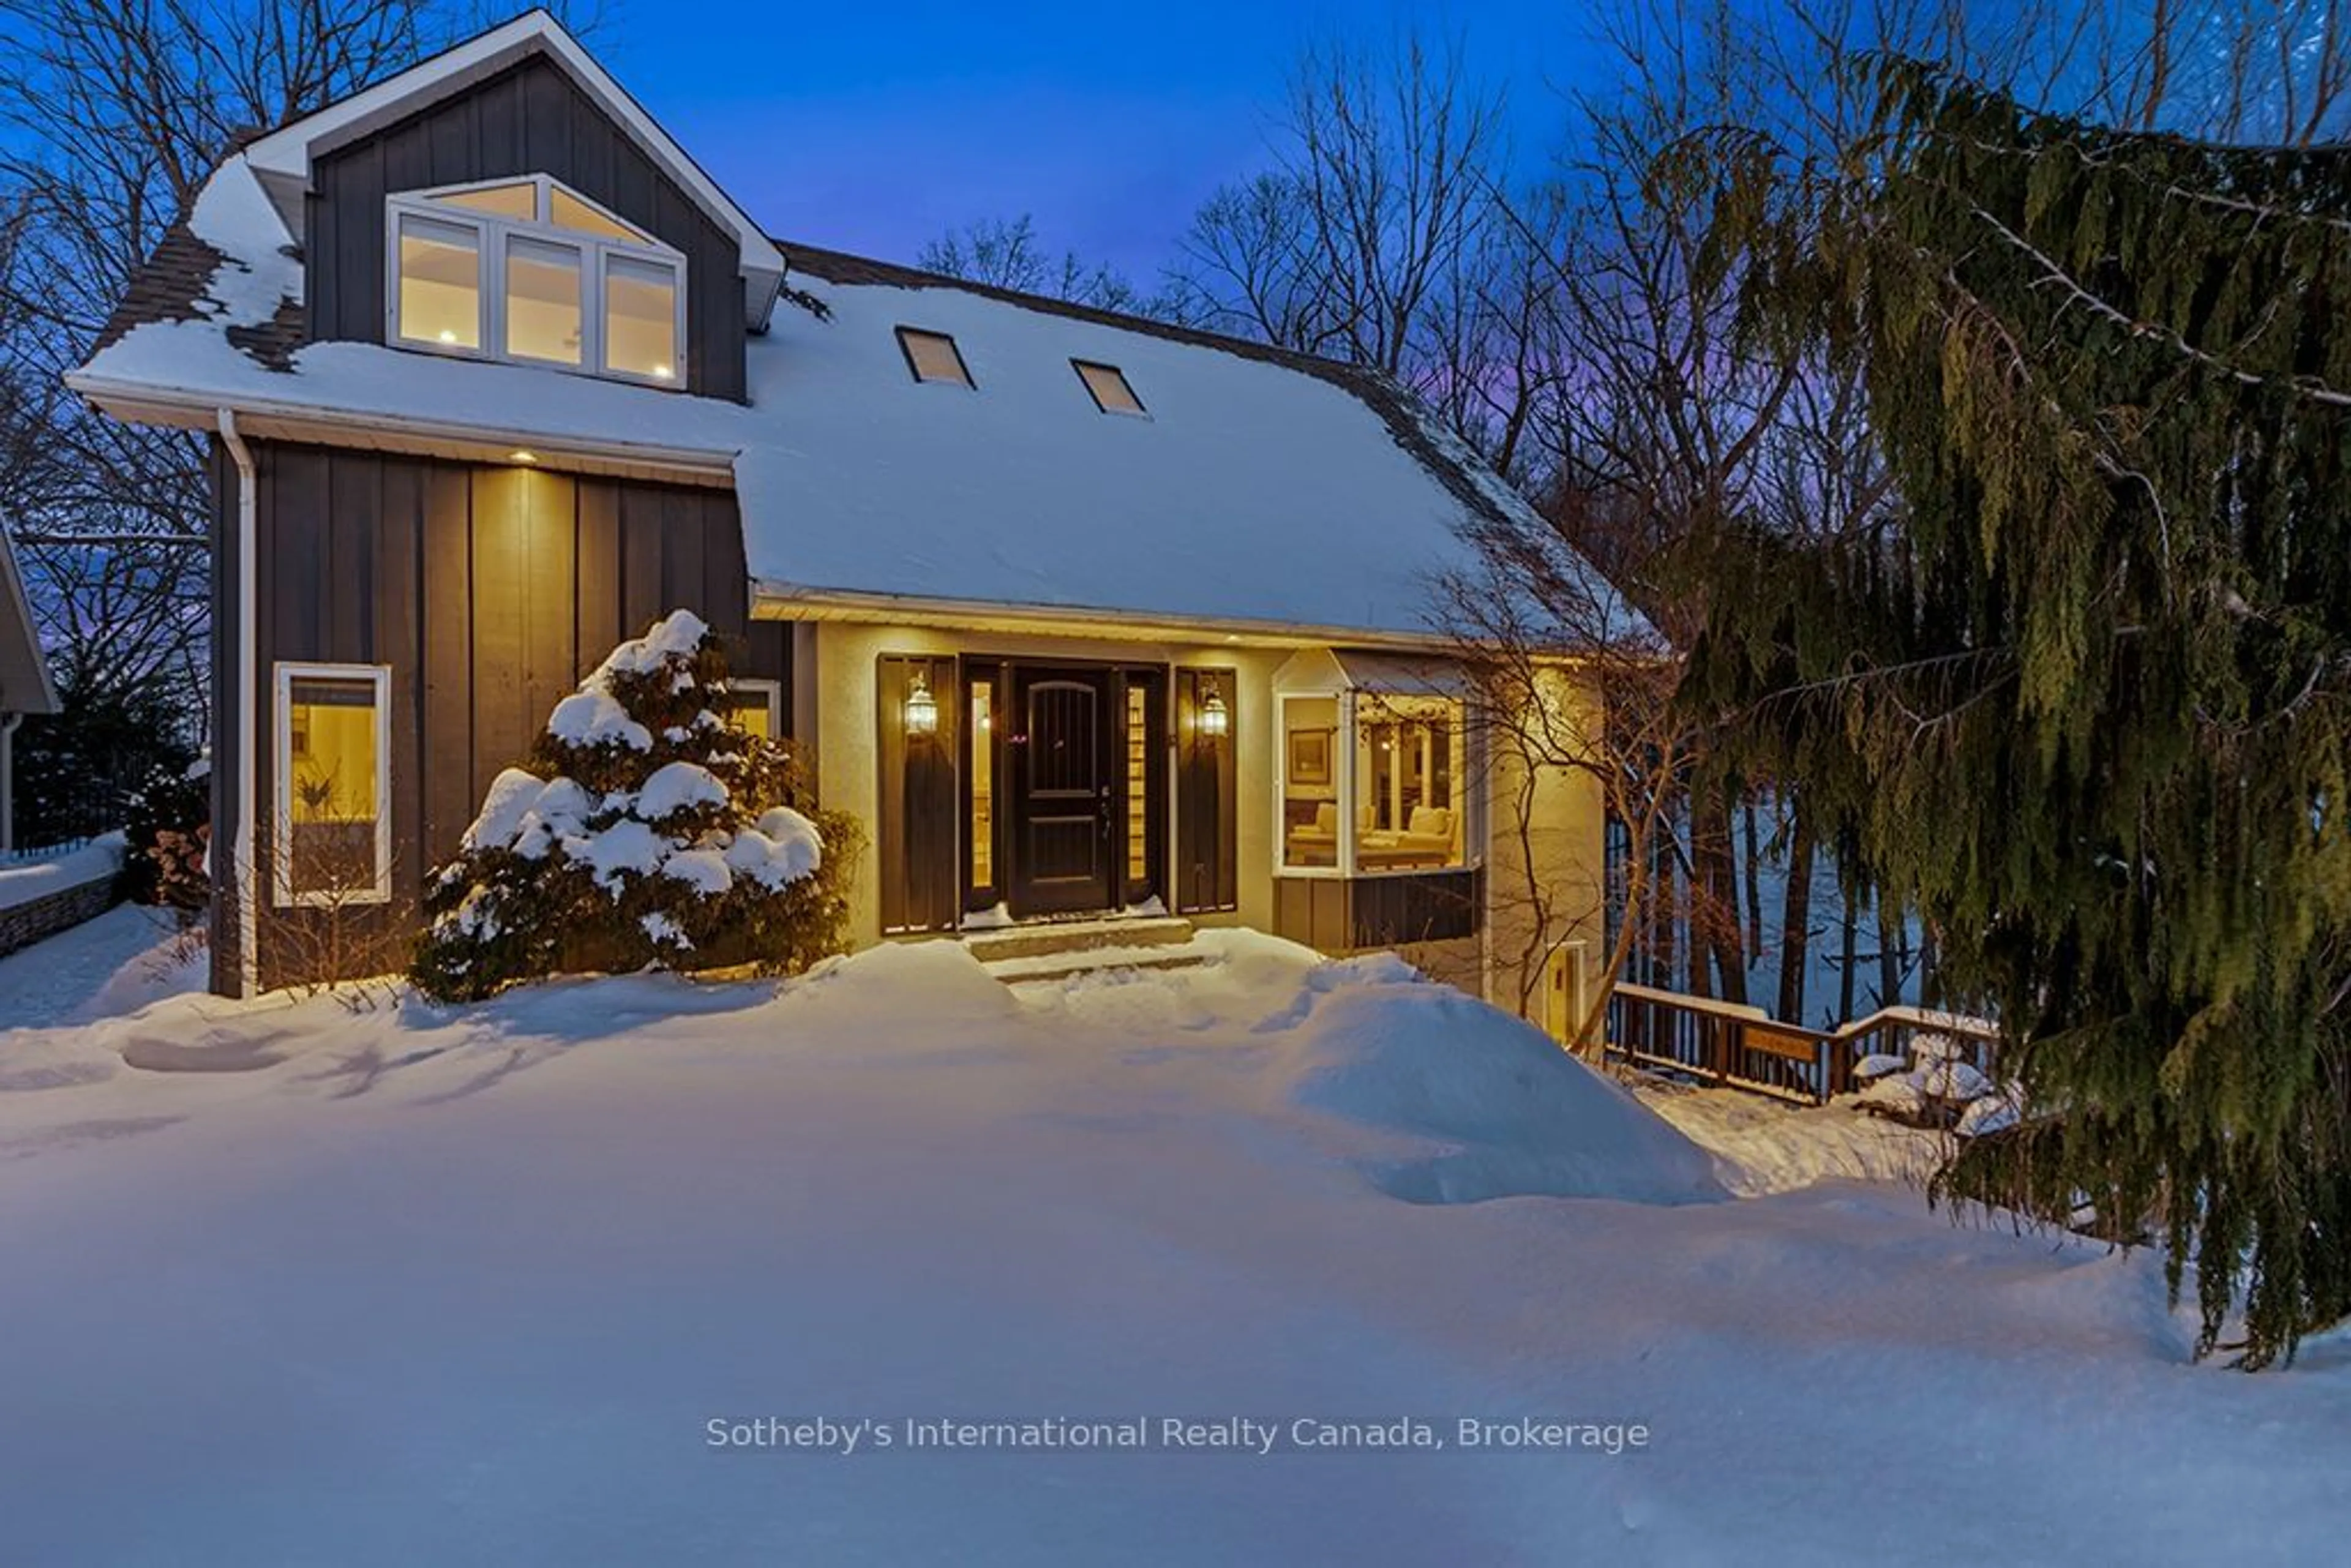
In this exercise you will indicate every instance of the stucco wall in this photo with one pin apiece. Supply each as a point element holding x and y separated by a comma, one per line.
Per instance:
<point>1546,879</point>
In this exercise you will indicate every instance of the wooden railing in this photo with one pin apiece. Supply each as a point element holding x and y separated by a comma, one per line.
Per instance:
<point>1746,1048</point>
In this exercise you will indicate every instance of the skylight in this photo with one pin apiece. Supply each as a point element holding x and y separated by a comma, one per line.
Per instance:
<point>1108,385</point>
<point>934,357</point>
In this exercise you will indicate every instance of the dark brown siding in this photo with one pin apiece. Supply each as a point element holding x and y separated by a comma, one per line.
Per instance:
<point>917,862</point>
<point>1335,915</point>
<point>528,120</point>
<point>489,591</point>
<point>1208,797</point>
<point>1425,906</point>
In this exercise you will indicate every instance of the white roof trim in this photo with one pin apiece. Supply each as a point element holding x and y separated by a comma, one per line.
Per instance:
<point>287,150</point>
<point>154,403</point>
<point>771,600</point>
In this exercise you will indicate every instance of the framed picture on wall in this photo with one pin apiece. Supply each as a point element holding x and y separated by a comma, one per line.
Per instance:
<point>1310,757</point>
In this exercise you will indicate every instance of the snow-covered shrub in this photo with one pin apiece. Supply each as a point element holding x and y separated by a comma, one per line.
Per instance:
<point>1935,1085</point>
<point>646,832</point>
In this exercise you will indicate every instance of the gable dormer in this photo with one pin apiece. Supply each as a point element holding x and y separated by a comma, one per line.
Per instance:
<point>512,174</point>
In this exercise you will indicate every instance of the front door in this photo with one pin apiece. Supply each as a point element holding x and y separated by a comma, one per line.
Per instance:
<point>1062,766</point>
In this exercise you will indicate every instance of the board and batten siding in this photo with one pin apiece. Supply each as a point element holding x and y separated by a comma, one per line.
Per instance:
<point>489,591</point>
<point>528,119</point>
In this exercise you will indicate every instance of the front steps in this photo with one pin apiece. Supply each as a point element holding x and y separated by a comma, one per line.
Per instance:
<point>1027,955</point>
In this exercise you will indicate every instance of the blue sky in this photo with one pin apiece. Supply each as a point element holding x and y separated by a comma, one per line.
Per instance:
<point>874,128</point>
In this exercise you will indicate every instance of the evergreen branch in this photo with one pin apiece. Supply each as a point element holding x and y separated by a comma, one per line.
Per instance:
<point>2301,386</point>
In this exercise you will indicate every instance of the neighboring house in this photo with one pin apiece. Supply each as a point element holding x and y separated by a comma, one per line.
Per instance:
<point>1079,612</point>
<point>24,686</point>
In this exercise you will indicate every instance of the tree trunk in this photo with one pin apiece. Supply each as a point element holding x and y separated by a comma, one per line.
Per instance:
<point>1718,883</point>
<point>1754,879</point>
<point>1889,957</point>
<point>1796,919</point>
<point>1849,959</point>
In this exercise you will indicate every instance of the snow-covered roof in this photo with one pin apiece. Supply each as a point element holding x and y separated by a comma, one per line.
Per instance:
<point>24,686</point>
<point>1259,487</point>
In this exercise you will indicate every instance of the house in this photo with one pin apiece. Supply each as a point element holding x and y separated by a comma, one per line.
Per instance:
<point>25,684</point>
<point>1081,613</point>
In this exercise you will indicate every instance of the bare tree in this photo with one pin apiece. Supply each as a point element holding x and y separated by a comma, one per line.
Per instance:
<point>1007,254</point>
<point>112,115</point>
<point>1374,235</point>
<point>1574,692</point>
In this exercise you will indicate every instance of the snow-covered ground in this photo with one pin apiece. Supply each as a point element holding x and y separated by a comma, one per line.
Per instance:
<point>28,877</point>
<point>124,959</point>
<point>288,1282</point>
<point>1761,1145</point>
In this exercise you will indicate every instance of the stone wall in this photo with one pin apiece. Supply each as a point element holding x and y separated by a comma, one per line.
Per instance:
<point>23,924</point>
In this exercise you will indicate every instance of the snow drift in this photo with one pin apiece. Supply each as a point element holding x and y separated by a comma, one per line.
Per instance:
<point>1498,1109</point>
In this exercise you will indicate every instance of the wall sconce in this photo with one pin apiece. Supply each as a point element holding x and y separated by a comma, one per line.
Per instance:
<point>1215,717</point>
<point>922,708</point>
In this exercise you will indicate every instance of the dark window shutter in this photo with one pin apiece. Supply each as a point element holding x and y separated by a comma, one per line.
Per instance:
<point>918,858</point>
<point>1208,795</point>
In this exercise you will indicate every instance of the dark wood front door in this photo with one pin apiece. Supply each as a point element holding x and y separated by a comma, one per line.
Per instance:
<point>1063,773</point>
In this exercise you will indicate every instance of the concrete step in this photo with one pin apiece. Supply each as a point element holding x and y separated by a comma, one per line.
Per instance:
<point>1045,967</point>
<point>1062,938</point>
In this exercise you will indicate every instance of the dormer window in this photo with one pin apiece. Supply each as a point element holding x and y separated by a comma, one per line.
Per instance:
<point>529,271</point>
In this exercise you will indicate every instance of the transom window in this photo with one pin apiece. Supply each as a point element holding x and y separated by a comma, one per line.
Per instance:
<point>526,270</point>
<point>1108,386</point>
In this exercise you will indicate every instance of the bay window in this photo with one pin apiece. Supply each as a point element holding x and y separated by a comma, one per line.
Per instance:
<point>528,271</point>
<point>1374,768</point>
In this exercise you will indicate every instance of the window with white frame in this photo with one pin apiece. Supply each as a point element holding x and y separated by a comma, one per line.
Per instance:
<point>529,271</point>
<point>1409,763</point>
<point>1373,783</point>
<point>755,707</point>
<point>333,769</point>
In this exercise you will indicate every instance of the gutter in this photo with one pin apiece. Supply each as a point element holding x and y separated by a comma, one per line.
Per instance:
<point>248,958</point>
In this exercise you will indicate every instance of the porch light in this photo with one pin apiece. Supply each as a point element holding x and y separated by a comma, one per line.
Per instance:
<point>922,708</point>
<point>1215,718</point>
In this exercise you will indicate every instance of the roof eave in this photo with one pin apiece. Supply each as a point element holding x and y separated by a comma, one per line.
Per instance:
<point>196,408</point>
<point>775,600</point>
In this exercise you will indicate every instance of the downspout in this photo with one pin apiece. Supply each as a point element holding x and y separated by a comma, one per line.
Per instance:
<point>248,959</point>
<point>8,723</point>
